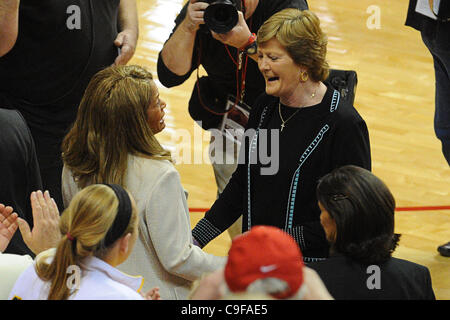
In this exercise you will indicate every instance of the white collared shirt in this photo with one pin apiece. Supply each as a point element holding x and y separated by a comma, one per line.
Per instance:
<point>11,266</point>
<point>97,281</point>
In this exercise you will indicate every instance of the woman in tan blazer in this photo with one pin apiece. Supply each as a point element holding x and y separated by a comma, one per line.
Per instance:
<point>112,141</point>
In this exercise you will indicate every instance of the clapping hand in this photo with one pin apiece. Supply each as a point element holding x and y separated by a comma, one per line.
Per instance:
<point>45,233</point>
<point>8,225</point>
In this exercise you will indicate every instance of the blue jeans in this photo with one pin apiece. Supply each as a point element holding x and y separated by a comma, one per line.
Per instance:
<point>440,50</point>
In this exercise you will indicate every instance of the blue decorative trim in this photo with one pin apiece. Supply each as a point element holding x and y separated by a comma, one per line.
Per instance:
<point>335,101</point>
<point>251,150</point>
<point>294,182</point>
<point>252,147</point>
<point>296,232</point>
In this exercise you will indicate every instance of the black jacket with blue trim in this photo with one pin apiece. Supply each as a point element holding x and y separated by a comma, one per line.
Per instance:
<point>316,140</point>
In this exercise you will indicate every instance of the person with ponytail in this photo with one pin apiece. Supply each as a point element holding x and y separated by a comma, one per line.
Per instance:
<point>99,229</point>
<point>42,235</point>
<point>113,141</point>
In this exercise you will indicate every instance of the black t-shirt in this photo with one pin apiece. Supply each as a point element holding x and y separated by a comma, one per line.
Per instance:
<point>60,45</point>
<point>222,78</point>
<point>19,171</point>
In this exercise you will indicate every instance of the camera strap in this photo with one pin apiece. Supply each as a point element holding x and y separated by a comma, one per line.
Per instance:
<point>241,72</point>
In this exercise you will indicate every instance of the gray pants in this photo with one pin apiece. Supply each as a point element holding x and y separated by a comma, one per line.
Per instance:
<point>222,173</point>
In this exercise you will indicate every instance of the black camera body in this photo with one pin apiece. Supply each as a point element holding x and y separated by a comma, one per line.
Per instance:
<point>222,15</point>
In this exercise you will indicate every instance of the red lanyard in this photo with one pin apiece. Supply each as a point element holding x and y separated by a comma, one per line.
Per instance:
<point>240,82</point>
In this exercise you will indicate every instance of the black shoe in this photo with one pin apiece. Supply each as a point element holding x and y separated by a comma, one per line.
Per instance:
<point>444,250</point>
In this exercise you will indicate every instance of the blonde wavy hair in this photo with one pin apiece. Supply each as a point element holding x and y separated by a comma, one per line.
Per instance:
<point>111,124</point>
<point>87,219</point>
<point>300,34</point>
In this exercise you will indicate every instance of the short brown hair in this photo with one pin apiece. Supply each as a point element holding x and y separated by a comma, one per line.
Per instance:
<point>300,34</point>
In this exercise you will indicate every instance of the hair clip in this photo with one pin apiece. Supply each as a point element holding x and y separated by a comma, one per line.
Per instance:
<point>338,197</point>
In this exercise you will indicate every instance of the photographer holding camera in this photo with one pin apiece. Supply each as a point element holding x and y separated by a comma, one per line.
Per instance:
<point>220,36</point>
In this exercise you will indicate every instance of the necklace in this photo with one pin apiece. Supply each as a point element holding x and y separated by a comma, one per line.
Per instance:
<point>283,122</point>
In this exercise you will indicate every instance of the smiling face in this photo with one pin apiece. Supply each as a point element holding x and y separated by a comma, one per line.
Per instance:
<point>155,112</point>
<point>281,74</point>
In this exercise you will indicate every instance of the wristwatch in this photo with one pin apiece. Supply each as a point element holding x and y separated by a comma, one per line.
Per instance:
<point>251,46</point>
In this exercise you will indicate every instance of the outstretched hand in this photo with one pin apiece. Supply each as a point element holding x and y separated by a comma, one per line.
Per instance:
<point>45,233</point>
<point>8,225</point>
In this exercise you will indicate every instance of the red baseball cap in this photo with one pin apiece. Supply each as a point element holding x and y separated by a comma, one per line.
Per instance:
<point>264,252</point>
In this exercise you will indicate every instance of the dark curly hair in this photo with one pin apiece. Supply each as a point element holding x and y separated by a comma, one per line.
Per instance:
<point>363,209</point>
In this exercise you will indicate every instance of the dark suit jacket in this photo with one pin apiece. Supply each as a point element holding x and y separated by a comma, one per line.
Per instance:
<point>431,28</point>
<point>395,279</point>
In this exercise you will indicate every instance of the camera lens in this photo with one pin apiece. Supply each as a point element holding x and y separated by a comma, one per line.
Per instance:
<point>221,16</point>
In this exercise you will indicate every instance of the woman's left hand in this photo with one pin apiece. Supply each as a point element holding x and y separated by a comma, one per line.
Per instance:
<point>8,225</point>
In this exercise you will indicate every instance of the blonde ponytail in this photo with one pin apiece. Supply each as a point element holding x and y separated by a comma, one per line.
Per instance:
<point>83,225</point>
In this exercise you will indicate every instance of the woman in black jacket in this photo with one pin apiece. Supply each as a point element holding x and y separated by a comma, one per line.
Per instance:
<point>357,214</point>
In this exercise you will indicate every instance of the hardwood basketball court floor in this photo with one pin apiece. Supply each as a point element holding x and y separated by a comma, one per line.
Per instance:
<point>395,96</point>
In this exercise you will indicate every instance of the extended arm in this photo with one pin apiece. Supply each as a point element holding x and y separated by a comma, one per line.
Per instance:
<point>167,214</point>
